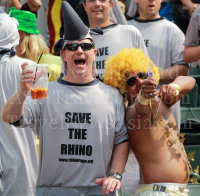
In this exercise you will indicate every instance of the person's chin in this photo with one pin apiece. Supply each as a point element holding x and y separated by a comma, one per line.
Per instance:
<point>81,73</point>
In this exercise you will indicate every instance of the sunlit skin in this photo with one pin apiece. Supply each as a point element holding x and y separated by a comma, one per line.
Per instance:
<point>159,162</point>
<point>98,12</point>
<point>149,9</point>
<point>79,72</point>
<point>18,48</point>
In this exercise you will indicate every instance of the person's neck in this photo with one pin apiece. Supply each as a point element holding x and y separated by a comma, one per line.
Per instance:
<point>78,79</point>
<point>131,101</point>
<point>19,52</point>
<point>100,24</point>
<point>144,17</point>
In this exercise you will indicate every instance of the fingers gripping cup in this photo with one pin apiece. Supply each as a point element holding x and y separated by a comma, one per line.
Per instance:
<point>39,88</point>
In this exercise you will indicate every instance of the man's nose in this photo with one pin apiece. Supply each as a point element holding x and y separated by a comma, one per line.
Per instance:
<point>79,50</point>
<point>97,2</point>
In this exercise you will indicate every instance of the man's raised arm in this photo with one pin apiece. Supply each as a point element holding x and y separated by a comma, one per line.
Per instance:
<point>14,107</point>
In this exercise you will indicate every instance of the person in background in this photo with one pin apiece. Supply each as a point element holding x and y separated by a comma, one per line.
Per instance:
<point>192,5</point>
<point>42,20</point>
<point>32,45</point>
<point>165,10</point>
<point>115,38</point>
<point>192,39</point>
<point>164,42</point>
<point>18,158</point>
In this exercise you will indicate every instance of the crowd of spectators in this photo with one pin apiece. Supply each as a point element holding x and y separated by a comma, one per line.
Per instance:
<point>42,35</point>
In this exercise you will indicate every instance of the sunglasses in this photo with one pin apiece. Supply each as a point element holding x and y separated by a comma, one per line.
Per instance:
<point>74,46</point>
<point>131,81</point>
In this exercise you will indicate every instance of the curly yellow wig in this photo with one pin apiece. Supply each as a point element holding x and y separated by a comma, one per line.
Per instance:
<point>126,61</point>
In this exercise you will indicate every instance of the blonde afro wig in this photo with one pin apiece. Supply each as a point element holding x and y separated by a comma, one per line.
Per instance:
<point>126,61</point>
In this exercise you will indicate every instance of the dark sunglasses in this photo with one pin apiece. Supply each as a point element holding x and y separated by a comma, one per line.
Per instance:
<point>74,46</point>
<point>131,81</point>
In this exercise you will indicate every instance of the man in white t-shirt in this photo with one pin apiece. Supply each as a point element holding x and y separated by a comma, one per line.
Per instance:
<point>164,42</point>
<point>115,38</point>
<point>18,159</point>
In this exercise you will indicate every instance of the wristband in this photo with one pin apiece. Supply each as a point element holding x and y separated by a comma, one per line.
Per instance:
<point>177,88</point>
<point>142,100</point>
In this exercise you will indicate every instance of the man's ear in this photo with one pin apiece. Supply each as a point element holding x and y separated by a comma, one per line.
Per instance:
<point>137,1</point>
<point>95,53</point>
<point>63,54</point>
<point>112,4</point>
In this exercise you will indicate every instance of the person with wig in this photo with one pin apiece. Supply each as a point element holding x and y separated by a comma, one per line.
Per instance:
<point>152,127</point>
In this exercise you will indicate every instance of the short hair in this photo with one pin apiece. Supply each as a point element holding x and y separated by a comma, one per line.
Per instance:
<point>126,61</point>
<point>33,45</point>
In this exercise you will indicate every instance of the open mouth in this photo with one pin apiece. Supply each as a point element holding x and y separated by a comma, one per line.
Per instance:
<point>79,61</point>
<point>151,6</point>
<point>97,11</point>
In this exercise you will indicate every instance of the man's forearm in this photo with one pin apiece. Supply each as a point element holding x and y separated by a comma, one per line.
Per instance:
<point>17,4</point>
<point>186,83</point>
<point>187,3</point>
<point>170,74</point>
<point>191,54</point>
<point>119,157</point>
<point>14,107</point>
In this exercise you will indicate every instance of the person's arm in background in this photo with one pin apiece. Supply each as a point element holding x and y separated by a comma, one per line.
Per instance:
<point>34,5</point>
<point>190,5</point>
<point>17,4</point>
<point>192,48</point>
<point>170,74</point>
<point>191,54</point>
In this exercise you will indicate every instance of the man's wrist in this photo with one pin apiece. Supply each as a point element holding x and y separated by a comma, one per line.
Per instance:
<point>117,176</point>
<point>142,100</point>
<point>177,87</point>
<point>22,94</point>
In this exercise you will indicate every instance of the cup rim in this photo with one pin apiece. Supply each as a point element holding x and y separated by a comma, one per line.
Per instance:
<point>39,65</point>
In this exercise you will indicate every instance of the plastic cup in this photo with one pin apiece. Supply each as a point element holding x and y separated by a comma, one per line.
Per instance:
<point>39,88</point>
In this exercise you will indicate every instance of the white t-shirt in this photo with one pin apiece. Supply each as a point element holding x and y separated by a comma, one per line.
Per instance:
<point>18,159</point>
<point>116,37</point>
<point>192,37</point>
<point>78,126</point>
